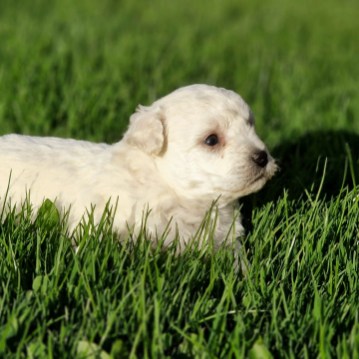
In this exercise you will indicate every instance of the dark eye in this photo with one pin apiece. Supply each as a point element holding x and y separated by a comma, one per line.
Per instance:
<point>211,140</point>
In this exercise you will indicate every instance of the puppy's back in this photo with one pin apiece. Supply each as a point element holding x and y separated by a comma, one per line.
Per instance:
<point>46,167</point>
<point>32,147</point>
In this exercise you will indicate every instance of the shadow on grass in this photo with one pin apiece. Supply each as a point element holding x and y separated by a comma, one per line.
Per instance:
<point>327,157</point>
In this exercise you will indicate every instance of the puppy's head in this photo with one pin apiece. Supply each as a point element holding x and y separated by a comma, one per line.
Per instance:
<point>204,143</point>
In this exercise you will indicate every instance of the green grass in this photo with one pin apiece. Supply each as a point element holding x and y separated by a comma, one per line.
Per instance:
<point>79,68</point>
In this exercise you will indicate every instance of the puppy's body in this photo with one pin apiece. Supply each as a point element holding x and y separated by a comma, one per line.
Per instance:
<point>189,149</point>
<point>82,174</point>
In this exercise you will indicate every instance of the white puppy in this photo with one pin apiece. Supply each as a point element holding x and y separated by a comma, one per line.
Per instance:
<point>195,147</point>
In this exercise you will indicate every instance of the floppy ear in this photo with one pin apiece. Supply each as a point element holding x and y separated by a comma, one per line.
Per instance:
<point>146,130</point>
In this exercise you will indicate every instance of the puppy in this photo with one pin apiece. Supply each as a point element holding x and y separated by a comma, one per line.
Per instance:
<point>190,150</point>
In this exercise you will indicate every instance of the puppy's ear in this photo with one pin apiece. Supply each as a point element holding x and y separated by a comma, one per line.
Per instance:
<point>147,130</point>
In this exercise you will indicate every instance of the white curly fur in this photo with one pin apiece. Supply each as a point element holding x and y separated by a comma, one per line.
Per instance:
<point>162,163</point>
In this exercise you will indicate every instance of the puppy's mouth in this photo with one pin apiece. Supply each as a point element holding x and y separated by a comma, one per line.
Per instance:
<point>249,181</point>
<point>267,172</point>
<point>258,178</point>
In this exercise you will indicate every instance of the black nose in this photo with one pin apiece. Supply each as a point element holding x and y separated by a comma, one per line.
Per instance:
<point>260,158</point>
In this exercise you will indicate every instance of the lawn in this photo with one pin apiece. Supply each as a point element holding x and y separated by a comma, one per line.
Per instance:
<point>78,69</point>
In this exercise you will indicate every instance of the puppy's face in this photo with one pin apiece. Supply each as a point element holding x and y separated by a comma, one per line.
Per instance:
<point>209,148</point>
